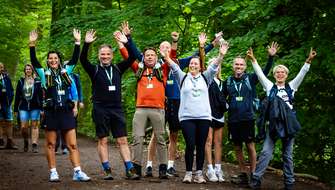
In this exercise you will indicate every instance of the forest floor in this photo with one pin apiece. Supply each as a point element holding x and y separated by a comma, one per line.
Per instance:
<point>27,170</point>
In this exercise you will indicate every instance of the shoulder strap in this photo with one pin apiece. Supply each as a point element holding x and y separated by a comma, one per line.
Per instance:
<point>289,92</point>
<point>247,82</point>
<point>182,81</point>
<point>96,71</point>
<point>204,79</point>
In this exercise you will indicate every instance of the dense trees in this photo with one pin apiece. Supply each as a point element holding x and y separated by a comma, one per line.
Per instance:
<point>295,25</point>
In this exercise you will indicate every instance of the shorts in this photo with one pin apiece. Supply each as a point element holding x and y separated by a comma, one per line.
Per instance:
<point>60,119</point>
<point>33,115</point>
<point>243,131</point>
<point>171,114</point>
<point>6,113</point>
<point>109,119</point>
<point>216,124</point>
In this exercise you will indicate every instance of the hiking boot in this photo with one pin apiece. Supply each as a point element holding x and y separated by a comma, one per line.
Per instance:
<point>199,179</point>
<point>211,176</point>
<point>171,172</point>
<point>25,145</point>
<point>187,178</point>
<point>288,187</point>
<point>162,171</point>
<point>65,151</point>
<point>132,174</point>
<point>241,179</point>
<point>10,145</point>
<point>2,142</point>
<point>254,183</point>
<point>138,169</point>
<point>220,176</point>
<point>108,174</point>
<point>34,148</point>
<point>54,177</point>
<point>80,176</point>
<point>148,172</point>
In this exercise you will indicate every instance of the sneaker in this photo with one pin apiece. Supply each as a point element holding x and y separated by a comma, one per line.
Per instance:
<point>108,175</point>
<point>241,179</point>
<point>254,183</point>
<point>65,151</point>
<point>220,176</point>
<point>187,178</point>
<point>162,171</point>
<point>54,177</point>
<point>25,145</point>
<point>80,176</point>
<point>199,179</point>
<point>132,174</point>
<point>2,142</point>
<point>172,172</point>
<point>148,172</point>
<point>34,148</point>
<point>10,145</point>
<point>211,176</point>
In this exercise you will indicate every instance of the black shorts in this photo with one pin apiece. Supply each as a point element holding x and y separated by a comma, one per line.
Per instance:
<point>109,119</point>
<point>171,114</point>
<point>62,119</point>
<point>243,131</point>
<point>216,124</point>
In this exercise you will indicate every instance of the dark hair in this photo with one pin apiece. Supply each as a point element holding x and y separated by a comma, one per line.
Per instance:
<point>58,54</point>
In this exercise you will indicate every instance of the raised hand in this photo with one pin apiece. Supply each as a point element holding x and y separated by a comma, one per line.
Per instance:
<point>273,48</point>
<point>120,37</point>
<point>76,35</point>
<point>218,37</point>
<point>312,54</point>
<point>250,55</point>
<point>33,36</point>
<point>202,39</point>
<point>125,28</point>
<point>175,36</point>
<point>90,36</point>
<point>224,48</point>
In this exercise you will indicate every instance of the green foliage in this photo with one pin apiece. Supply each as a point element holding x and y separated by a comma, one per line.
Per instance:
<point>295,25</point>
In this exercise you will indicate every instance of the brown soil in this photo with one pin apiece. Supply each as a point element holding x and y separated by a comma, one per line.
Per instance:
<point>19,170</point>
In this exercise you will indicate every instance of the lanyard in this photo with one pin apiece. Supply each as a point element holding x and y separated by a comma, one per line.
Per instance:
<point>149,75</point>
<point>238,89</point>
<point>109,76</point>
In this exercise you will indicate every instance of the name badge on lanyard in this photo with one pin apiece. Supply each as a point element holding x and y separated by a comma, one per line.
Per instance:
<point>61,92</point>
<point>239,98</point>
<point>150,85</point>
<point>3,90</point>
<point>169,82</point>
<point>111,88</point>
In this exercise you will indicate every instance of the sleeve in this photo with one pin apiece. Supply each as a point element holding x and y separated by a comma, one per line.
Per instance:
<point>124,53</point>
<point>211,70</point>
<point>296,82</point>
<point>266,70</point>
<point>266,83</point>
<point>184,62</point>
<point>73,91</point>
<point>88,67</point>
<point>17,96</point>
<point>137,54</point>
<point>36,64</point>
<point>75,57</point>
<point>124,65</point>
<point>177,72</point>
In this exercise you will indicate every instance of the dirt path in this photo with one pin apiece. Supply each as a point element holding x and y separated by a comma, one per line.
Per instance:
<point>19,170</point>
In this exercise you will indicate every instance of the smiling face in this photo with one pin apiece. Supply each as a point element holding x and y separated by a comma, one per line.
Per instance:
<point>53,60</point>
<point>150,58</point>
<point>28,70</point>
<point>239,66</point>
<point>105,55</point>
<point>280,73</point>
<point>2,68</point>
<point>194,66</point>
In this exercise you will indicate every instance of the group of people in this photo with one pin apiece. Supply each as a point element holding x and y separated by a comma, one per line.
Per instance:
<point>193,102</point>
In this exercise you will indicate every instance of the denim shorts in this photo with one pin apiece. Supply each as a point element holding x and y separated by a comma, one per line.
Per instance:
<point>33,115</point>
<point>6,114</point>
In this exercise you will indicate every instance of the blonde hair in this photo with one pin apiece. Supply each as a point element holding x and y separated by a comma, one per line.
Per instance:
<point>280,67</point>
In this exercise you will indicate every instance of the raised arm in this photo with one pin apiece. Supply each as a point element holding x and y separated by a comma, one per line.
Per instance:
<point>76,51</point>
<point>272,51</point>
<point>176,71</point>
<point>89,68</point>
<point>202,55</point>
<point>266,83</point>
<point>33,36</point>
<point>127,31</point>
<point>295,83</point>
<point>128,43</point>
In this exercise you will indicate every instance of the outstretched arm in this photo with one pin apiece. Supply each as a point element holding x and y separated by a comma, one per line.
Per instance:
<point>176,71</point>
<point>127,31</point>
<point>127,42</point>
<point>266,83</point>
<point>89,68</point>
<point>272,51</point>
<point>33,36</point>
<point>76,52</point>
<point>295,83</point>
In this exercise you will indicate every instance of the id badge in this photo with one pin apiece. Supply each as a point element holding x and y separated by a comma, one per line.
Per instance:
<point>3,90</point>
<point>27,94</point>
<point>111,88</point>
<point>169,82</point>
<point>239,98</point>
<point>61,92</point>
<point>150,86</point>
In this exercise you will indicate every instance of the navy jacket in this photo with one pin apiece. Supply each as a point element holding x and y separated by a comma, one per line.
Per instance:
<point>6,97</point>
<point>20,101</point>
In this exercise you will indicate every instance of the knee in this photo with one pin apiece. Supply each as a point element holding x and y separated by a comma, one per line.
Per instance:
<point>72,147</point>
<point>138,140</point>
<point>160,139</point>
<point>50,145</point>
<point>122,141</point>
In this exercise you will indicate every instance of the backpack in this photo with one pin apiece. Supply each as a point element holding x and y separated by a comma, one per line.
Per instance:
<point>157,71</point>
<point>182,81</point>
<point>288,89</point>
<point>246,81</point>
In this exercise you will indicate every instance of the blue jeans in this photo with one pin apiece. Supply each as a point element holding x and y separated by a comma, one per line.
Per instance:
<point>266,156</point>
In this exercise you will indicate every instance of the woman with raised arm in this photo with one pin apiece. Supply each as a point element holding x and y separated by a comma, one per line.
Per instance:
<point>59,109</point>
<point>283,123</point>
<point>195,112</point>
<point>28,102</point>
